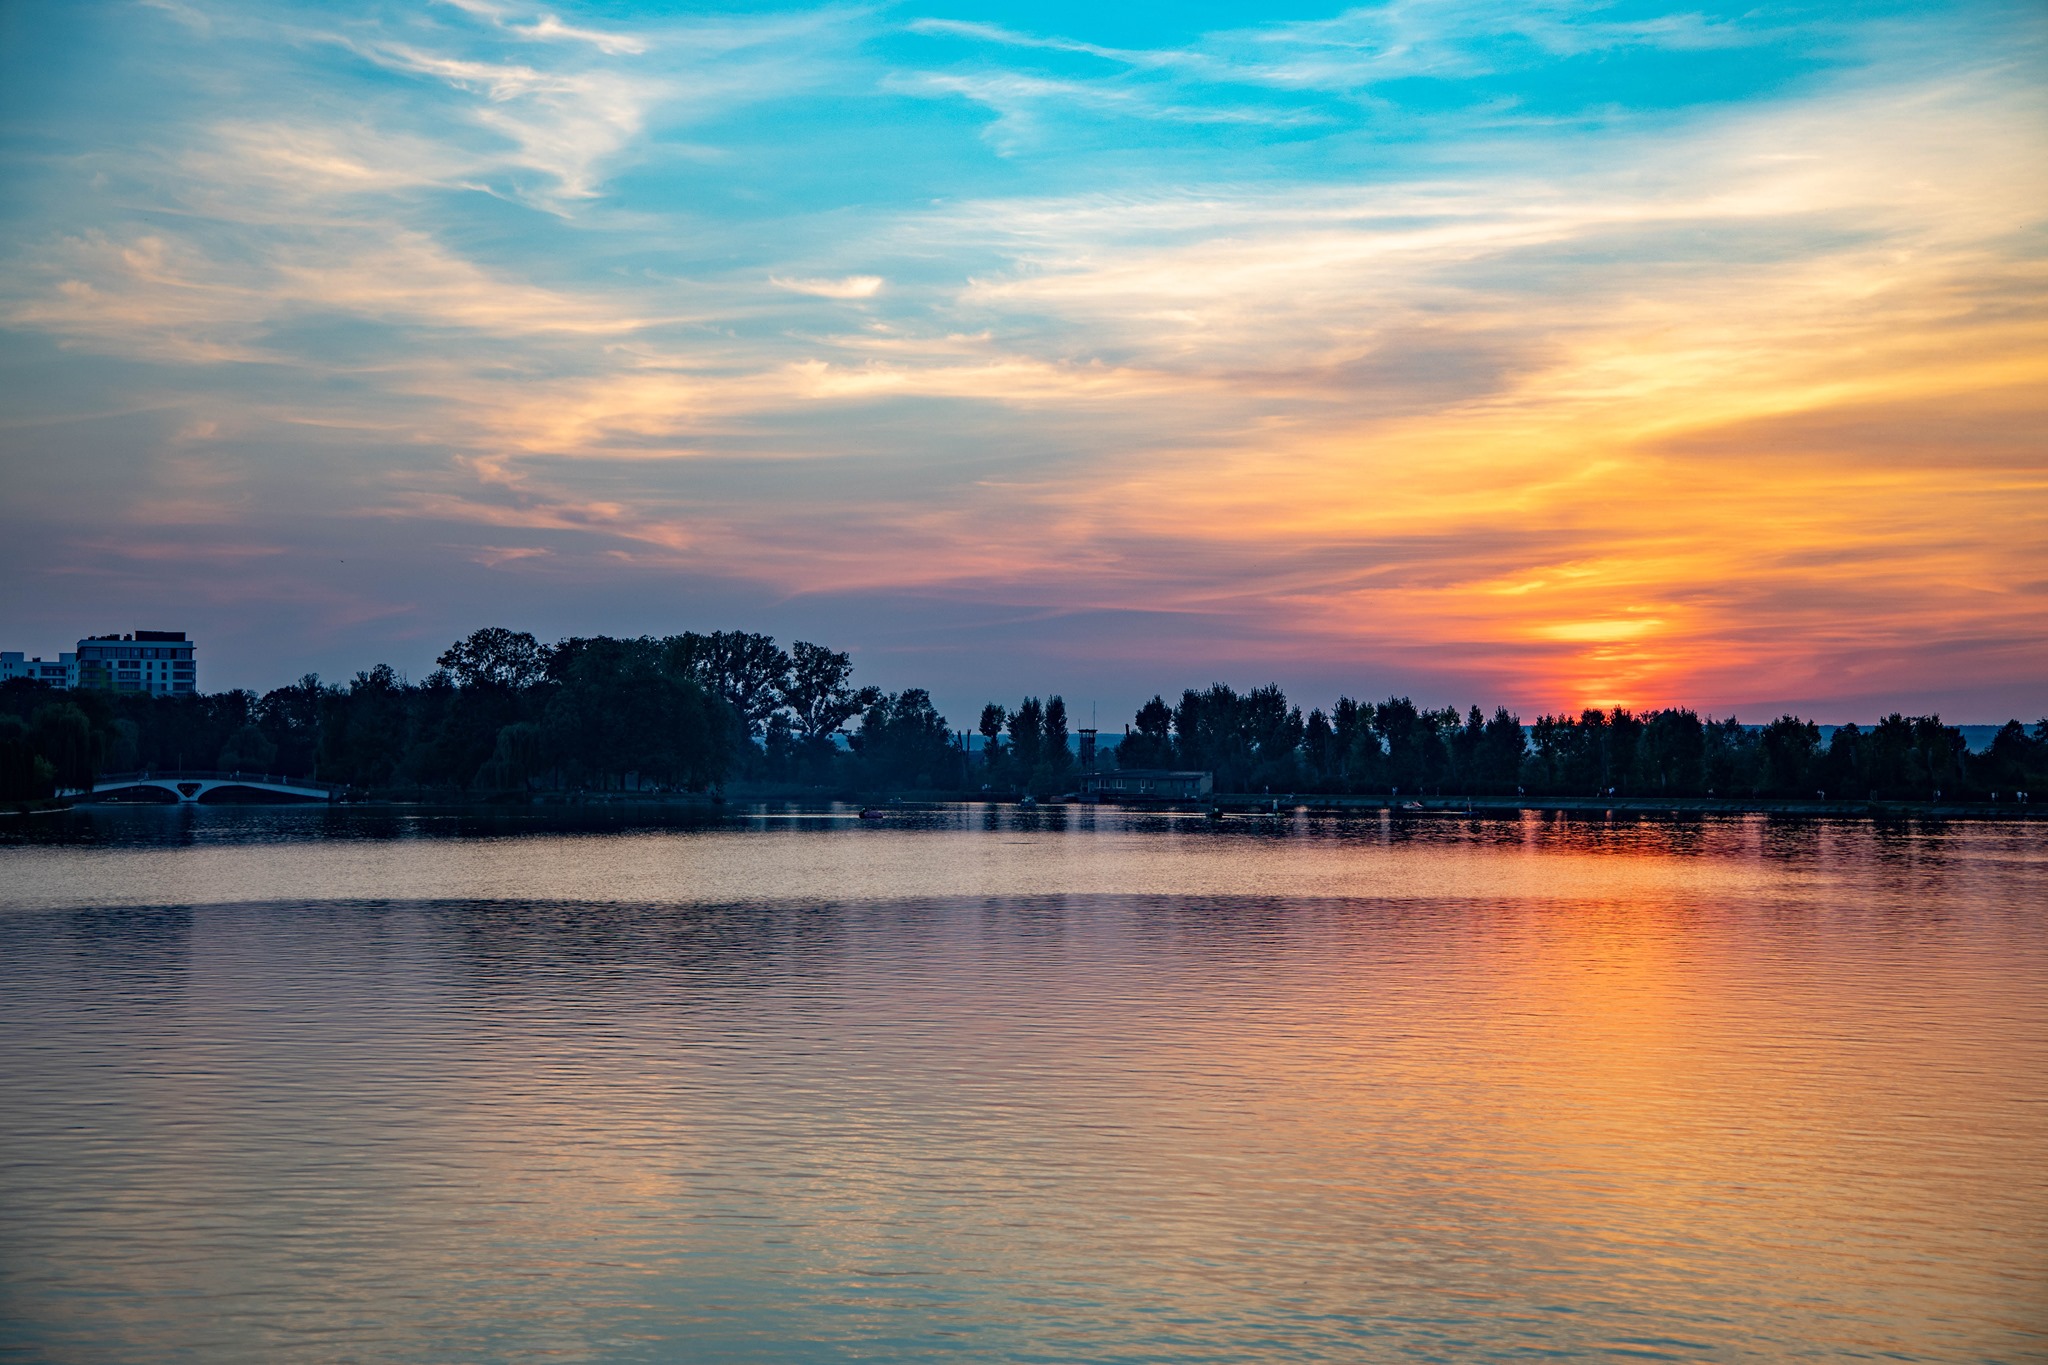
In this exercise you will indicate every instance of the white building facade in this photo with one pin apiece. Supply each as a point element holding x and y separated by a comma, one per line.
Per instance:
<point>159,662</point>
<point>63,672</point>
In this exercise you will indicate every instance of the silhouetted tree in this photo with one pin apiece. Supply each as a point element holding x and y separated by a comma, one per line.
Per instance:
<point>620,713</point>
<point>749,671</point>
<point>1624,735</point>
<point>518,759</point>
<point>1056,758</point>
<point>1148,741</point>
<point>1671,755</point>
<point>993,719</point>
<point>1730,758</point>
<point>1319,751</point>
<point>1209,732</point>
<point>495,656</point>
<point>366,730</point>
<point>1790,748</point>
<point>1463,742</point>
<point>1027,739</point>
<point>819,694</point>
<point>1415,752</point>
<point>904,741</point>
<point>2014,761</point>
<point>290,718</point>
<point>247,750</point>
<point>62,735</point>
<point>1842,766</point>
<point>1358,746</point>
<point>25,775</point>
<point>1501,750</point>
<point>779,750</point>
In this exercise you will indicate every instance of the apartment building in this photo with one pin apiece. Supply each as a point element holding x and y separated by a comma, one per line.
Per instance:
<point>159,662</point>
<point>62,672</point>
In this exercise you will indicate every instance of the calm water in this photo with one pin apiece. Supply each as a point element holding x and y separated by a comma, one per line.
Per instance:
<point>312,1085</point>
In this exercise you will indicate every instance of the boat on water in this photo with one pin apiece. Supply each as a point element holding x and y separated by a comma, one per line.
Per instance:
<point>870,813</point>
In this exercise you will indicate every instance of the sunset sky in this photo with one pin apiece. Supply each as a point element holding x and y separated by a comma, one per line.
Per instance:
<point>1546,354</point>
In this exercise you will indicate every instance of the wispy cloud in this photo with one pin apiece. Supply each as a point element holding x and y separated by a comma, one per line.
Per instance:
<point>1007,37</point>
<point>1022,102</point>
<point>1239,332</point>
<point>565,125</point>
<point>541,26</point>
<point>845,287</point>
<point>1212,78</point>
<point>152,296</point>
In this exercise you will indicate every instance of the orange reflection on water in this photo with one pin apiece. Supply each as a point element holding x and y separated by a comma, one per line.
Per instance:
<point>1286,1087</point>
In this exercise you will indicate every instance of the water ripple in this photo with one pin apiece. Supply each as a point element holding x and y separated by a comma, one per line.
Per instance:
<point>320,1085</point>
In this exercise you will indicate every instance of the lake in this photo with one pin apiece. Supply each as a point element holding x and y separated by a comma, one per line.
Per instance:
<point>978,1083</point>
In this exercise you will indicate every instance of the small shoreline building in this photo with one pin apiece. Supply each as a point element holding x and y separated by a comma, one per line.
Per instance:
<point>1147,784</point>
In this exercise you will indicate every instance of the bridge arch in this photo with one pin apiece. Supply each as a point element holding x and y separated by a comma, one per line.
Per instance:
<point>189,788</point>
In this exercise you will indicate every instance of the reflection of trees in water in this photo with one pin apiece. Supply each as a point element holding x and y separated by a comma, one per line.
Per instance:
<point>1917,844</point>
<point>158,821</point>
<point>1790,839</point>
<point>170,823</point>
<point>1038,819</point>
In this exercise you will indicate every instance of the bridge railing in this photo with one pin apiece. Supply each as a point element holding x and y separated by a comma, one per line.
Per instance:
<point>214,775</point>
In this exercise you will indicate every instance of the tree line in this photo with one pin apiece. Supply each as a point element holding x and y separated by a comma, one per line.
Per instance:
<point>1256,741</point>
<point>503,713</point>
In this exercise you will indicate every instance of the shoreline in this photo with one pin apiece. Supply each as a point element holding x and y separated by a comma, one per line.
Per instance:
<point>1233,803</point>
<point>740,803</point>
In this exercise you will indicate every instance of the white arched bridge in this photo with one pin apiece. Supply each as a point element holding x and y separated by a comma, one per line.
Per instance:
<point>191,786</point>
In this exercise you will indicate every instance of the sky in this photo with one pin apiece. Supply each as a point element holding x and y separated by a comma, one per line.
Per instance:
<point>1550,355</point>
